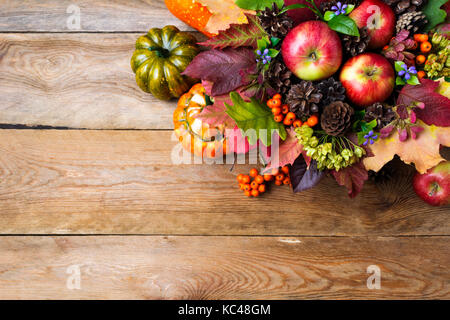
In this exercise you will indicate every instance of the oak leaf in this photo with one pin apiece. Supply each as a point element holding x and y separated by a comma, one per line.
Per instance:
<point>422,151</point>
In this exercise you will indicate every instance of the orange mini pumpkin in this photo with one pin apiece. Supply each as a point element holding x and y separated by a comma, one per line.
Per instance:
<point>196,136</point>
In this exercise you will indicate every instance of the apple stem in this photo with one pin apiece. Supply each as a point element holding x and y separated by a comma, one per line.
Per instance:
<point>434,189</point>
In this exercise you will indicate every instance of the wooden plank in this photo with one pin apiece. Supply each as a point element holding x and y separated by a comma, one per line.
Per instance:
<point>77,81</point>
<point>124,182</point>
<point>158,267</point>
<point>95,16</point>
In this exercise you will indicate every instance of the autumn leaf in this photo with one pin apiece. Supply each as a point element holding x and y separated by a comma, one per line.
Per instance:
<point>422,151</point>
<point>437,106</point>
<point>287,152</point>
<point>352,178</point>
<point>304,177</point>
<point>222,67</point>
<point>223,13</point>
<point>238,35</point>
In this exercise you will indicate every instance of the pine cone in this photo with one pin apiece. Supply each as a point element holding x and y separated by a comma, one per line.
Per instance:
<point>402,6</point>
<point>279,77</point>
<point>331,90</point>
<point>275,24</point>
<point>381,112</point>
<point>326,6</point>
<point>336,118</point>
<point>356,45</point>
<point>303,99</point>
<point>411,21</point>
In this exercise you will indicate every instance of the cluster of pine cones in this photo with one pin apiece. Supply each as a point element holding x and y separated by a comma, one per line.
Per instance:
<point>327,97</point>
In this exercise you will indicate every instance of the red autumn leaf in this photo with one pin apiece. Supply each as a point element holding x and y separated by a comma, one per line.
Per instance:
<point>223,68</point>
<point>288,151</point>
<point>238,35</point>
<point>437,106</point>
<point>352,178</point>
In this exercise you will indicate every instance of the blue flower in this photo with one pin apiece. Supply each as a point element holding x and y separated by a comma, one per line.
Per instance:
<point>339,8</point>
<point>370,138</point>
<point>264,56</point>
<point>406,72</point>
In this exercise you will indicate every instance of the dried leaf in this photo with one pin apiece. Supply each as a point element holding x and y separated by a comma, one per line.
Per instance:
<point>287,152</point>
<point>222,67</point>
<point>352,178</point>
<point>422,151</point>
<point>238,35</point>
<point>304,177</point>
<point>224,13</point>
<point>437,106</point>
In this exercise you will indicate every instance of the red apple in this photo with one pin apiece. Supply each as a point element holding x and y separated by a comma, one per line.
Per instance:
<point>312,51</point>
<point>302,15</point>
<point>379,19</point>
<point>434,185</point>
<point>367,78</point>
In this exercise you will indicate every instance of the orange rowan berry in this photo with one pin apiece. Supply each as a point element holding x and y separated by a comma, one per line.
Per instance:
<point>420,59</point>
<point>291,116</point>
<point>241,186</point>
<point>297,123</point>
<point>276,111</point>
<point>313,120</point>
<point>284,109</point>
<point>255,193</point>
<point>280,177</point>
<point>278,182</point>
<point>239,177</point>
<point>287,181</point>
<point>268,177</point>
<point>254,185</point>
<point>277,96</point>
<point>421,74</point>
<point>247,193</point>
<point>259,179</point>
<point>278,118</point>
<point>285,170</point>
<point>253,172</point>
<point>425,47</point>
<point>288,122</point>
<point>246,179</point>
<point>262,188</point>
<point>247,187</point>
<point>421,37</point>
<point>272,103</point>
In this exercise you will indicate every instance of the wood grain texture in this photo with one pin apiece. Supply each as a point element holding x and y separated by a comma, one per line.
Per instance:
<point>95,15</point>
<point>124,182</point>
<point>76,81</point>
<point>223,267</point>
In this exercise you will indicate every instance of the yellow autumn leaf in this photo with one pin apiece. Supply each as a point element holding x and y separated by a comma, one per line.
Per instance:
<point>224,13</point>
<point>423,151</point>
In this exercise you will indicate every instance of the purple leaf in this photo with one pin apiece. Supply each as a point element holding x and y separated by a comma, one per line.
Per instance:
<point>302,177</point>
<point>386,132</point>
<point>437,106</point>
<point>352,178</point>
<point>222,67</point>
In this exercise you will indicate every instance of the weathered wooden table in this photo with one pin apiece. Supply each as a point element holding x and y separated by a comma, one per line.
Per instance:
<point>99,211</point>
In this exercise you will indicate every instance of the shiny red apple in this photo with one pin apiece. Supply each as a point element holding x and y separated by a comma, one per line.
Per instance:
<point>434,185</point>
<point>367,78</point>
<point>379,19</point>
<point>312,51</point>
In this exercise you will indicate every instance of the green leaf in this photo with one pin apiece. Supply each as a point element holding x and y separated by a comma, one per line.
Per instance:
<point>345,25</point>
<point>273,53</point>
<point>275,41</point>
<point>434,13</point>
<point>254,116</point>
<point>399,81</point>
<point>296,6</point>
<point>258,4</point>
<point>399,66</point>
<point>349,8</point>
<point>329,15</point>
<point>263,43</point>
<point>414,81</point>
